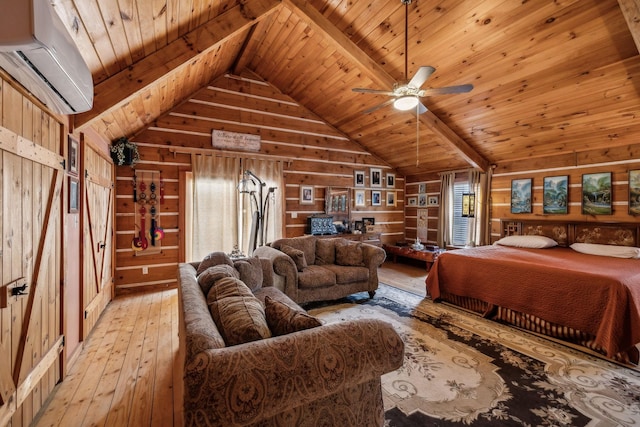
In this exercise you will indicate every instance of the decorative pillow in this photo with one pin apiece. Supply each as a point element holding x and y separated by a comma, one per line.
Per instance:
<point>325,251</point>
<point>607,250</point>
<point>349,254</point>
<point>214,258</point>
<point>532,242</point>
<point>283,319</point>
<point>212,274</point>
<point>237,313</point>
<point>296,255</point>
<point>250,270</point>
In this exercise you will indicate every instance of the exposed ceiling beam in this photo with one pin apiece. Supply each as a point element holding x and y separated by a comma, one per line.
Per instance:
<point>376,73</point>
<point>123,86</point>
<point>631,11</point>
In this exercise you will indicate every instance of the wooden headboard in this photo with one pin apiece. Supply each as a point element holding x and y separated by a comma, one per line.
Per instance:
<point>568,232</point>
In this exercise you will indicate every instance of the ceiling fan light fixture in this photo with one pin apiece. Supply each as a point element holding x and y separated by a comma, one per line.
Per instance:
<point>405,103</point>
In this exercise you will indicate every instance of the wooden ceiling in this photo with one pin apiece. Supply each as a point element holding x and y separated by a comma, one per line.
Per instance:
<point>549,77</point>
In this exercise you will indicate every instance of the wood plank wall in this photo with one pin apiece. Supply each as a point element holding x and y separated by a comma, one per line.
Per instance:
<point>31,143</point>
<point>618,161</point>
<point>313,153</point>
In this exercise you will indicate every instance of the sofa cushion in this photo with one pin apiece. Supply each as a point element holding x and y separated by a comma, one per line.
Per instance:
<point>283,319</point>
<point>250,270</point>
<point>214,258</point>
<point>316,276</point>
<point>325,251</point>
<point>349,274</point>
<point>238,314</point>
<point>306,244</point>
<point>349,253</point>
<point>211,275</point>
<point>296,255</point>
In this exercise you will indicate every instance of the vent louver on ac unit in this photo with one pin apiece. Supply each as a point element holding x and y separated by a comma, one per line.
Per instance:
<point>37,51</point>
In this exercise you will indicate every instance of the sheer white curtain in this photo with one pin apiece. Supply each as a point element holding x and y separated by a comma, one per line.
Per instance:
<point>215,204</point>
<point>445,222</point>
<point>271,173</point>
<point>480,229</point>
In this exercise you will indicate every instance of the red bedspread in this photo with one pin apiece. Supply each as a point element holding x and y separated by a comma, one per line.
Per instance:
<point>594,294</point>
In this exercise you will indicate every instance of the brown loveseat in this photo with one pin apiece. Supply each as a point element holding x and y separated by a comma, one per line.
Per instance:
<point>311,268</point>
<point>327,375</point>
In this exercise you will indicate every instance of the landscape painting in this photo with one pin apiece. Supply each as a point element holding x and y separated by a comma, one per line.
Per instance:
<point>556,196</point>
<point>521,195</point>
<point>596,194</point>
<point>634,192</point>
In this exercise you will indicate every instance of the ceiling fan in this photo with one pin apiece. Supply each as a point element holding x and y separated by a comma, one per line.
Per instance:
<point>406,95</point>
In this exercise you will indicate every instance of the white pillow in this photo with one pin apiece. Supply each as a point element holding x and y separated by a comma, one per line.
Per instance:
<point>607,250</point>
<point>532,242</point>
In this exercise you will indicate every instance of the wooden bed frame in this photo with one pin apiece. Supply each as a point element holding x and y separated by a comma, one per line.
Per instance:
<point>565,233</point>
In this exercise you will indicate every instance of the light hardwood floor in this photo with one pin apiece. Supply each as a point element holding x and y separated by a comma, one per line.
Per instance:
<point>124,375</point>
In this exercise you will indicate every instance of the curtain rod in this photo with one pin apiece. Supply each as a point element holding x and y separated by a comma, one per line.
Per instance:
<point>224,153</point>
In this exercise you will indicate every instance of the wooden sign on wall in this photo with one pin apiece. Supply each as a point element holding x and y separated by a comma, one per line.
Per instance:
<point>235,141</point>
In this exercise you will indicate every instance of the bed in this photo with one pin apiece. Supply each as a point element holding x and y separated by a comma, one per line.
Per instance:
<point>589,300</point>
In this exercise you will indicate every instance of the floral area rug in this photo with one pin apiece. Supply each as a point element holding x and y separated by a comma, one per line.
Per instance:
<point>462,370</point>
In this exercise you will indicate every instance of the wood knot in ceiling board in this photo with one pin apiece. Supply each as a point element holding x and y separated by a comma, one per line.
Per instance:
<point>124,16</point>
<point>550,20</point>
<point>163,11</point>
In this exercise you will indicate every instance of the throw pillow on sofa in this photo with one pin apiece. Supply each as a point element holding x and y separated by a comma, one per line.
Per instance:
<point>211,275</point>
<point>283,319</point>
<point>296,255</point>
<point>237,313</point>
<point>214,258</point>
<point>250,270</point>
<point>325,251</point>
<point>349,254</point>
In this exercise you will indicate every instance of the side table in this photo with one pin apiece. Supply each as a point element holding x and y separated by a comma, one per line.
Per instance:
<point>408,252</point>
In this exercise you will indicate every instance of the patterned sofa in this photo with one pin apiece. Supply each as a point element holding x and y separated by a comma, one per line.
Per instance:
<point>328,375</point>
<point>311,268</point>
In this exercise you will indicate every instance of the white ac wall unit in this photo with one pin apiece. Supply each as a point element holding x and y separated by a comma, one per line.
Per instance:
<point>37,51</point>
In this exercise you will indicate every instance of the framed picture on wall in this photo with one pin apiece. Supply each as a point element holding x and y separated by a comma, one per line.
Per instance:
<point>634,192</point>
<point>422,188</point>
<point>73,154</point>
<point>412,201</point>
<point>359,199</point>
<point>391,180</point>
<point>422,200</point>
<point>376,198</point>
<point>391,198</point>
<point>521,195</point>
<point>376,177</point>
<point>432,201</point>
<point>468,205</point>
<point>306,195</point>
<point>74,195</point>
<point>596,194</point>
<point>358,178</point>
<point>555,199</point>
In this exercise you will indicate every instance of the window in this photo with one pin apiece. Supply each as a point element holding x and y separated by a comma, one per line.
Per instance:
<point>460,225</point>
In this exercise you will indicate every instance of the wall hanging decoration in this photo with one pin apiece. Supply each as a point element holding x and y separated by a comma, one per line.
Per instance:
<point>74,156</point>
<point>375,178</point>
<point>148,196</point>
<point>634,192</point>
<point>358,178</point>
<point>556,195</point>
<point>596,194</point>
<point>376,198</point>
<point>124,152</point>
<point>469,205</point>
<point>521,195</point>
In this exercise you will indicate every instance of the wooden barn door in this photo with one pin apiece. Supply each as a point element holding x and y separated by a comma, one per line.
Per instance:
<point>97,255</point>
<point>31,229</point>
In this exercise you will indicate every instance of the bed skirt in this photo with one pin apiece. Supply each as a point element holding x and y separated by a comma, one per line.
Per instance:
<point>535,324</point>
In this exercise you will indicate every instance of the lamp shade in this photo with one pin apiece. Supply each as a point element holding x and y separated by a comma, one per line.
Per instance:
<point>405,103</point>
<point>246,185</point>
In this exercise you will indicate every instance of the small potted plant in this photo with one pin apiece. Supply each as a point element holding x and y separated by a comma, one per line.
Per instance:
<point>124,152</point>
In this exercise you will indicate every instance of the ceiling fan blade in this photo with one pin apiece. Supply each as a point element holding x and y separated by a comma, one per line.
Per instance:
<point>421,76</point>
<point>377,107</point>
<point>446,90</point>
<point>421,108</point>
<point>376,91</point>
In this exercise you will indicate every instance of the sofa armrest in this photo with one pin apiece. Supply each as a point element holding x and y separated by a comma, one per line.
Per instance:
<point>249,382</point>
<point>284,274</point>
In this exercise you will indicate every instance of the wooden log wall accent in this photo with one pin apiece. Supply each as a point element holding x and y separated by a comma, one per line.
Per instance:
<point>31,215</point>
<point>418,212</point>
<point>619,161</point>
<point>313,153</point>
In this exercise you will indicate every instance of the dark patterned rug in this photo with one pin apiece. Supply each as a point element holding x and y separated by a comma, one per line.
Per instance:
<point>462,370</point>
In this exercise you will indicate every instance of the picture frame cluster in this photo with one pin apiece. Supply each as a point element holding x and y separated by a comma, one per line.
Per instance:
<point>376,180</point>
